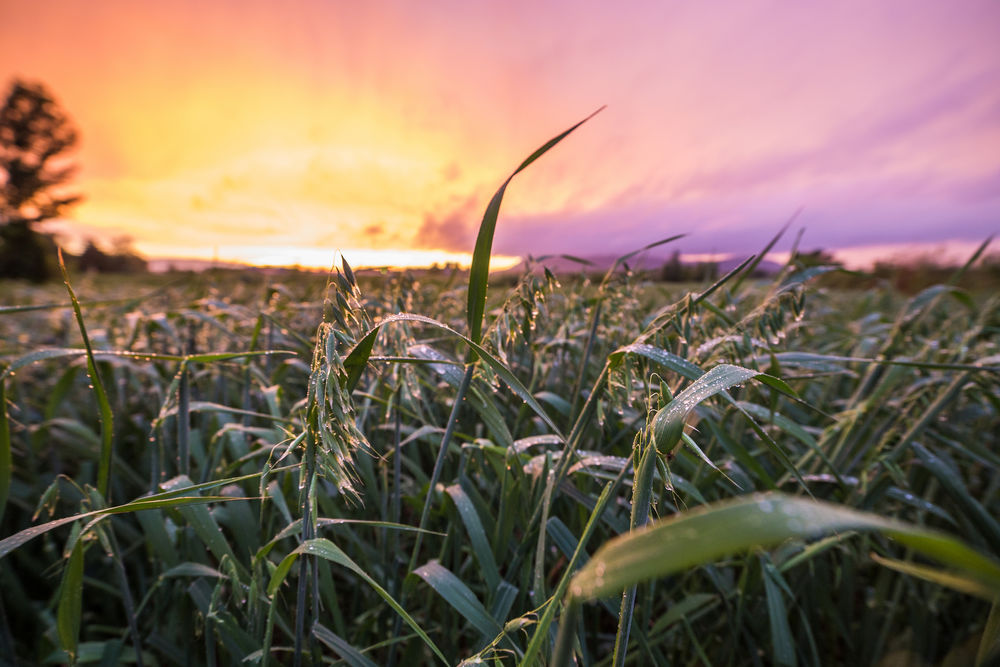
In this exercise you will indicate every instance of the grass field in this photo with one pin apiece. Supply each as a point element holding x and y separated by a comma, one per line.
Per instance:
<point>246,468</point>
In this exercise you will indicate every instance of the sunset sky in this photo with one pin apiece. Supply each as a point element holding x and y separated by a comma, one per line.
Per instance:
<point>282,132</point>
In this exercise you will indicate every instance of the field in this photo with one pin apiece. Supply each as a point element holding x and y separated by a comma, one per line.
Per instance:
<point>255,468</point>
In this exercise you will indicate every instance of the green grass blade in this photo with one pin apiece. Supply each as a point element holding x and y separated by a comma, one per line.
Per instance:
<point>495,364</point>
<point>955,277</point>
<point>957,488</point>
<point>111,355</point>
<point>328,550</point>
<point>579,554</point>
<point>782,643</point>
<point>71,602</point>
<point>767,248</point>
<point>104,406</point>
<point>6,461</point>
<point>477,536</point>
<point>479,272</point>
<point>627,256</point>
<point>668,360</point>
<point>953,580</point>
<point>668,424</point>
<point>159,501</point>
<point>356,361</point>
<point>458,595</point>
<point>439,462</point>
<point>990,641</point>
<point>295,528</point>
<point>705,534</point>
<point>823,362</point>
<point>204,524</point>
<point>341,647</point>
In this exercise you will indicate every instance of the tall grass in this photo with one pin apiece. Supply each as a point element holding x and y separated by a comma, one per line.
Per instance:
<point>244,469</point>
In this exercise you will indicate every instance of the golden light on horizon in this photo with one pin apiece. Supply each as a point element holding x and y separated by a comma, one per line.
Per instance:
<point>324,259</point>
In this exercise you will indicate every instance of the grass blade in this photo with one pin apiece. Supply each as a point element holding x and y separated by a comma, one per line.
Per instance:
<point>5,455</point>
<point>328,550</point>
<point>767,248</point>
<point>104,406</point>
<point>579,554</point>
<point>477,536</point>
<point>954,580</point>
<point>708,533</point>
<point>991,636</point>
<point>341,647</point>
<point>668,424</point>
<point>71,602</point>
<point>160,501</point>
<point>479,272</point>
<point>953,485</point>
<point>781,634</point>
<point>495,364</point>
<point>458,595</point>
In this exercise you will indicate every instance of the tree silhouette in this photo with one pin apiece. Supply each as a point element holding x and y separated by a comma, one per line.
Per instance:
<point>35,135</point>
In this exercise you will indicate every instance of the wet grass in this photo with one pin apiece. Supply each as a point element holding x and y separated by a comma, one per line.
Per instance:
<point>258,469</point>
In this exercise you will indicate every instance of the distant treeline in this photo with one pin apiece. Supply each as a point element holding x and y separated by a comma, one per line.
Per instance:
<point>914,276</point>
<point>30,255</point>
<point>905,276</point>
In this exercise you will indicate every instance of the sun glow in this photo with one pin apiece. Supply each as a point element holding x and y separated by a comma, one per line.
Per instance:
<point>322,258</point>
<point>360,258</point>
<point>387,126</point>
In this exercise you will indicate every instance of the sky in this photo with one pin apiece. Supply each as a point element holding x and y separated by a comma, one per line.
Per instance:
<point>285,132</point>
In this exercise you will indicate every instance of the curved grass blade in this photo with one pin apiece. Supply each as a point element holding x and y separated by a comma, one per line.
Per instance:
<point>326,549</point>
<point>667,431</point>
<point>954,486</point>
<point>295,527</point>
<point>158,501</point>
<point>341,647</point>
<point>619,261</point>
<point>104,406</point>
<point>668,424</point>
<point>708,533</point>
<point>361,351</point>
<point>954,580</point>
<point>458,595</point>
<point>203,523</point>
<point>111,355</point>
<point>668,360</point>
<point>972,260</point>
<point>479,272</point>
